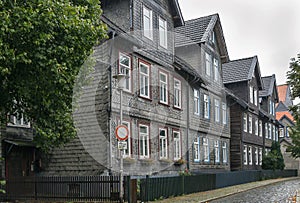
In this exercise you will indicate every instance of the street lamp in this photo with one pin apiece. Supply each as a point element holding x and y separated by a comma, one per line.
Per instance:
<point>121,80</point>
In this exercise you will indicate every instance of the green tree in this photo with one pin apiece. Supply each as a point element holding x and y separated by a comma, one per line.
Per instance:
<point>293,76</point>
<point>43,44</point>
<point>274,159</point>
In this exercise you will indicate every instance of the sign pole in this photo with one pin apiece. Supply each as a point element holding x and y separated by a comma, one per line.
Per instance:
<point>121,151</point>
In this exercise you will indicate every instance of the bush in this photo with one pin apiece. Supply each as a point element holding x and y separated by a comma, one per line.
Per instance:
<point>274,159</point>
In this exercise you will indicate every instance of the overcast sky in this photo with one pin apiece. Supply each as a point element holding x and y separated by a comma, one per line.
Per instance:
<point>269,29</point>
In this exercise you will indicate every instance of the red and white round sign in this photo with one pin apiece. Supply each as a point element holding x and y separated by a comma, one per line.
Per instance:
<point>122,132</point>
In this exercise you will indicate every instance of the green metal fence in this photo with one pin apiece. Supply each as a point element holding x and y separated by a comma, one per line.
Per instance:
<point>153,188</point>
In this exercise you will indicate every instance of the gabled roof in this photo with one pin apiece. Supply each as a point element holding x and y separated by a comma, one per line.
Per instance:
<point>269,85</point>
<point>241,70</point>
<point>282,92</point>
<point>198,31</point>
<point>176,13</point>
<point>287,114</point>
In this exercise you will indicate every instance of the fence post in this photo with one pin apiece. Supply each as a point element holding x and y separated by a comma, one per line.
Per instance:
<point>35,188</point>
<point>182,185</point>
<point>147,188</point>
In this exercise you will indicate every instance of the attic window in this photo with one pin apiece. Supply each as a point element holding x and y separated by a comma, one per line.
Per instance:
<point>212,37</point>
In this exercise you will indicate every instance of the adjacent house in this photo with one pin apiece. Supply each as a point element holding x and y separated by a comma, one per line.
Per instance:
<point>268,98</point>
<point>200,42</point>
<point>243,79</point>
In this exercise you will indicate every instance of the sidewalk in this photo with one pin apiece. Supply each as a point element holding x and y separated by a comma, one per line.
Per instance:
<point>222,192</point>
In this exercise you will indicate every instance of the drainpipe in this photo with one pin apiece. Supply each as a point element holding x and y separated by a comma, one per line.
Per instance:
<point>110,101</point>
<point>188,127</point>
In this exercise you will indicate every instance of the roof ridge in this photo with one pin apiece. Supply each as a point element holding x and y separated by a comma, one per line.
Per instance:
<point>198,19</point>
<point>242,59</point>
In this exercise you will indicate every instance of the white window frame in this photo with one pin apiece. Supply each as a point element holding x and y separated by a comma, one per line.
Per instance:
<point>224,152</point>
<point>270,131</point>
<point>260,128</point>
<point>251,94</point>
<point>163,32</point>
<point>144,142</point>
<point>206,149</point>
<point>208,64</point>
<point>127,152</point>
<point>163,143</point>
<point>147,15</point>
<point>245,122</point>
<point>276,134</point>
<point>177,144</point>
<point>18,122</point>
<point>163,88</point>
<point>224,113</point>
<point>245,155</point>
<point>266,130</point>
<point>125,69</point>
<point>144,82</point>
<point>256,155</point>
<point>255,97</point>
<point>177,93</point>
<point>250,123</point>
<point>250,155</point>
<point>260,156</point>
<point>206,110</point>
<point>196,146</point>
<point>256,127</point>
<point>217,110</point>
<point>217,151</point>
<point>196,102</point>
<point>216,70</point>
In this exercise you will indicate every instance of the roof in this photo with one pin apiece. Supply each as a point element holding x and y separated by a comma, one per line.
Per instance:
<point>196,30</point>
<point>282,92</point>
<point>240,70</point>
<point>280,115</point>
<point>176,13</point>
<point>269,84</point>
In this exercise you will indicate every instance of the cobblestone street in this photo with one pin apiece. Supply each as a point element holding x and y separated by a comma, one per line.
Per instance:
<point>278,192</point>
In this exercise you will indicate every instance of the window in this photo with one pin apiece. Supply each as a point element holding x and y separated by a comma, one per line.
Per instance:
<point>266,130</point>
<point>177,93</point>
<point>144,79</point>
<point>196,102</point>
<point>245,119</point>
<point>206,106</point>
<point>125,68</point>
<point>255,97</point>
<point>216,70</point>
<point>206,149</point>
<point>144,147</point>
<point>208,64</point>
<point>287,132</point>
<point>127,152</point>
<point>250,155</point>
<point>163,143</point>
<point>281,132</point>
<point>272,107</point>
<point>260,129</point>
<point>245,155</point>
<point>256,155</point>
<point>217,151</point>
<point>163,33</point>
<point>260,156</point>
<point>224,151</point>
<point>217,110</point>
<point>177,145</point>
<point>19,120</point>
<point>196,147</point>
<point>224,113</point>
<point>250,124</point>
<point>147,22</point>
<point>251,93</point>
<point>270,131</point>
<point>163,88</point>
<point>274,136</point>
<point>256,126</point>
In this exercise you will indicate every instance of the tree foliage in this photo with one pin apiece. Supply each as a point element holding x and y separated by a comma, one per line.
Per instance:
<point>274,159</point>
<point>293,76</point>
<point>43,44</point>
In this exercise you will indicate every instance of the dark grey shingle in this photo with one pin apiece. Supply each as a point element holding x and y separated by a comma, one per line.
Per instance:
<point>195,31</point>
<point>268,86</point>
<point>238,70</point>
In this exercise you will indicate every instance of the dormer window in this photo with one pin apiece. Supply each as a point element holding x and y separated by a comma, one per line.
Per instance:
<point>251,94</point>
<point>163,33</point>
<point>18,120</point>
<point>147,23</point>
<point>212,37</point>
<point>208,64</point>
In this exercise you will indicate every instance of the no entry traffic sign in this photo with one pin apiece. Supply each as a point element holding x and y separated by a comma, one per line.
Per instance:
<point>122,132</point>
